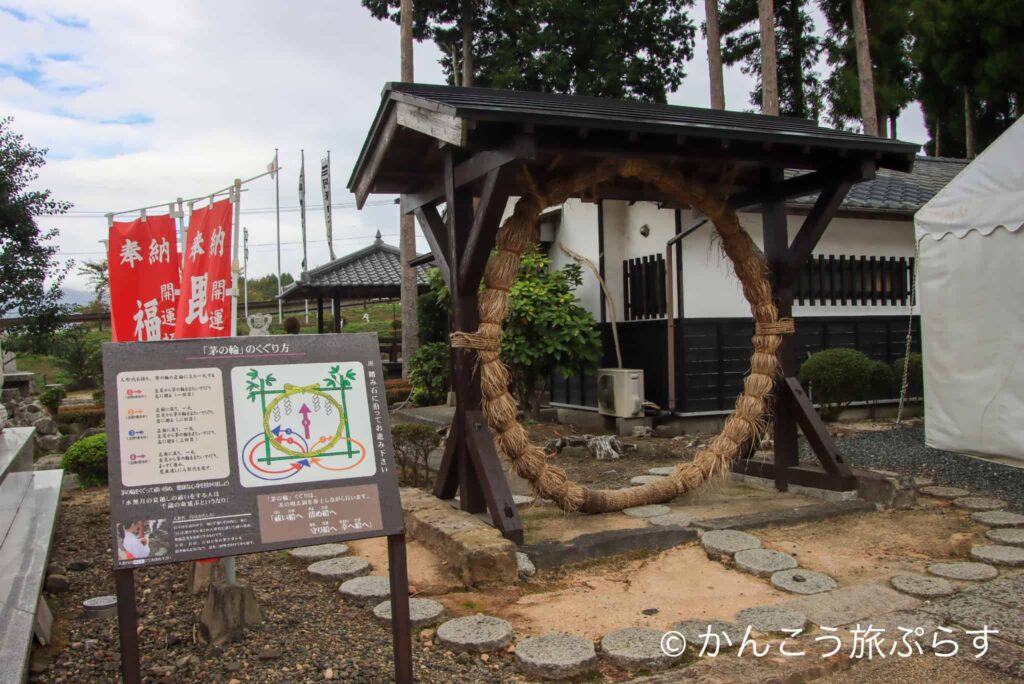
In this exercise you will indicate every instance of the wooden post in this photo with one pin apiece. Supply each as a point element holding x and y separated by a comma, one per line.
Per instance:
<point>401,627</point>
<point>776,250</point>
<point>336,312</point>
<point>128,626</point>
<point>319,313</point>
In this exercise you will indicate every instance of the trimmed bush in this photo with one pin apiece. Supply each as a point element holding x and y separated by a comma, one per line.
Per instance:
<point>51,398</point>
<point>836,377</point>
<point>880,381</point>
<point>429,374</point>
<point>915,376</point>
<point>413,443</point>
<point>87,458</point>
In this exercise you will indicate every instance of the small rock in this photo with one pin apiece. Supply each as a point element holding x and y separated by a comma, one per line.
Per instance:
<point>1010,536</point>
<point>998,518</point>
<point>269,653</point>
<point>476,633</point>
<point>484,657</point>
<point>940,492</point>
<point>964,571</point>
<point>664,471</point>
<point>647,511</point>
<point>800,581</point>
<point>556,656</point>
<point>999,555</point>
<point>525,565</point>
<point>329,673</point>
<point>922,586</point>
<point>45,426</point>
<point>427,634</point>
<point>522,500</point>
<point>79,565</point>
<point>719,543</point>
<point>650,611</point>
<point>234,681</point>
<point>232,666</point>
<point>979,503</point>
<point>57,584</point>
<point>56,569</point>
<point>642,431</point>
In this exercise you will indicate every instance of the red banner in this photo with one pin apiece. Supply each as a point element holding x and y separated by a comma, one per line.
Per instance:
<point>144,279</point>
<point>204,308</point>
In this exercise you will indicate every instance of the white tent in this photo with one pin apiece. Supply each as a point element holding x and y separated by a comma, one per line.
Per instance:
<point>971,291</point>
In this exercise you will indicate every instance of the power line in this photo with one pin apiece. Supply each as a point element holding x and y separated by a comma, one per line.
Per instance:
<point>261,210</point>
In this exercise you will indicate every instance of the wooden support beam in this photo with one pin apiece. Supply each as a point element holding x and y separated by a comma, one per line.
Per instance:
<point>804,184</point>
<point>436,234</point>
<point>468,171</point>
<point>814,429</point>
<point>336,312</point>
<point>483,231</point>
<point>369,173</point>
<point>814,225</point>
<point>448,128</point>
<point>319,313</point>
<point>485,460</point>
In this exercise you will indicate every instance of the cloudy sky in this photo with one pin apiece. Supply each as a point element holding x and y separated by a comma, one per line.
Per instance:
<point>139,106</point>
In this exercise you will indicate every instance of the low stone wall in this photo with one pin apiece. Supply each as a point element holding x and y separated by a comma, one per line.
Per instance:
<point>474,550</point>
<point>20,407</point>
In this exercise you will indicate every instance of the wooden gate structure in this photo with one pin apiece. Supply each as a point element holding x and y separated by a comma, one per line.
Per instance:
<point>471,149</point>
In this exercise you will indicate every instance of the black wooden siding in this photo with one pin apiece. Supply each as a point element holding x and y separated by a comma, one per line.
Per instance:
<point>713,355</point>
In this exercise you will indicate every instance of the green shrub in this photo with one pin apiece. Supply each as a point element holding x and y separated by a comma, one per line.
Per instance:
<point>78,353</point>
<point>430,374</point>
<point>836,377</point>
<point>880,381</point>
<point>915,374</point>
<point>413,443</point>
<point>87,458</point>
<point>432,309</point>
<point>51,398</point>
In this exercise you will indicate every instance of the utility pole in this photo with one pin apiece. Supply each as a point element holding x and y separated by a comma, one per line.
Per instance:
<point>769,58</point>
<point>407,227</point>
<point>865,77</point>
<point>714,37</point>
<point>245,270</point>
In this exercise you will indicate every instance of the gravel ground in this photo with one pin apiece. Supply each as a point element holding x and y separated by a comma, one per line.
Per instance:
<point>309,635</point>
<point>902,449</point>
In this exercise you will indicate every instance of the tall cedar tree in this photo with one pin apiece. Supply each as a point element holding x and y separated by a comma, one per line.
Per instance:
<point>800,90</point>
<point>30,277</point>
<point>891,65</point>
<point>585,47</point>
<point>968,48</point>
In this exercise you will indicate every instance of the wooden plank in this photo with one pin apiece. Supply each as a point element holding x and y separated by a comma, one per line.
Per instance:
<point>447,128</point>
<point>369,172</point>
<point>813,227</point>
<point>500,503</point>
<point>833,280</point>
<point>401,627</point>
<point>626,311</point>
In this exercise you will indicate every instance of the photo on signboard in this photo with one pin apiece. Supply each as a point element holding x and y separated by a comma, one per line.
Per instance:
<point>142,539</point>
<point>298,423</point>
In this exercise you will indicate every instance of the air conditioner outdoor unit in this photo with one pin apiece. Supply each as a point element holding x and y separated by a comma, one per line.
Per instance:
<point>620,392</point>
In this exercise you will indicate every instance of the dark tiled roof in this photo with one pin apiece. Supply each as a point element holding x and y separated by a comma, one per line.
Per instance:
<point>895,191</point>
<point>377,265</point>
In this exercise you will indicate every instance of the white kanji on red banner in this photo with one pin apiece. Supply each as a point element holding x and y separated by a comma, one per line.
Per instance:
<point>144,279</point>
<point>204,307</point>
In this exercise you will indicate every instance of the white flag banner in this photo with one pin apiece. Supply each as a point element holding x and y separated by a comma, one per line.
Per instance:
<point>325,187</point>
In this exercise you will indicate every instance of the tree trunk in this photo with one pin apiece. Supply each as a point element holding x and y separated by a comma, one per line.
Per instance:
<point>868,113</point>
<point>467,43</point>
<point>938,138</point>
<point>715,55</point>
<point>769,62</point>
<point>892,126</point>
<point>407,227</point>
<point>969,123</point>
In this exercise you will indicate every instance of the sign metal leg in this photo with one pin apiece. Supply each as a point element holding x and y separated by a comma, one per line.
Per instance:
<point>401,628</point>
<point>128,626</point>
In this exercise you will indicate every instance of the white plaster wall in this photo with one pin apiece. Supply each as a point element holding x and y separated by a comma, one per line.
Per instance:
<point>709,287</point>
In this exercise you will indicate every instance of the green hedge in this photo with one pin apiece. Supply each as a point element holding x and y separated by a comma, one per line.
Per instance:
<point>87,458</point>
<point>915,375</point>
<point>430,374</point>
<point>835,378</point>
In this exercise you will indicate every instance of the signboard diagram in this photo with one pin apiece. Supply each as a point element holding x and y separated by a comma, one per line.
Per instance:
<point>300,423</point>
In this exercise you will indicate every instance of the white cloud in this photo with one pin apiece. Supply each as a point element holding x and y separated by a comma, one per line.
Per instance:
<point>223,84</point>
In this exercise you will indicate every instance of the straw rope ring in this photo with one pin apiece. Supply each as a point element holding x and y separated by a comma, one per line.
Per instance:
<point>744,424</point>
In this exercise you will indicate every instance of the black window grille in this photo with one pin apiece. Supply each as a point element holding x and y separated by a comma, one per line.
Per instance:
<point>643,287</point>
<point>856,280</point>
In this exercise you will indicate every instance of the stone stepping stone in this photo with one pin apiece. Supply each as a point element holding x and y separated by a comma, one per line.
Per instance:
<point>525,565</point>
<point>475,633</point>
<point>719,543</point>
<point>940,492</point>
<point>763,562</point>
<point>366,591</point>
<point>979,503</point>
<point>1010,536</point>
<point>645,479</point>
<point>800,581</point>
<point>422,612</point>
<point>999,555</point>
<point>964,571</point>
<point>680,519</point>
<point>664,471</point>
<point>556,656</point>
<point>318,552</point>
<point>998,518</point>
<point>636,648</point>
<point>651,511</point>
<point>922,586</point>
<point>772,619</point>
<point>694,630</point>
<point>340,569</point>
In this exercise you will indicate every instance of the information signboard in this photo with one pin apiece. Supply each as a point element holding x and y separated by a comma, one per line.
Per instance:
<point>227,446</point>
